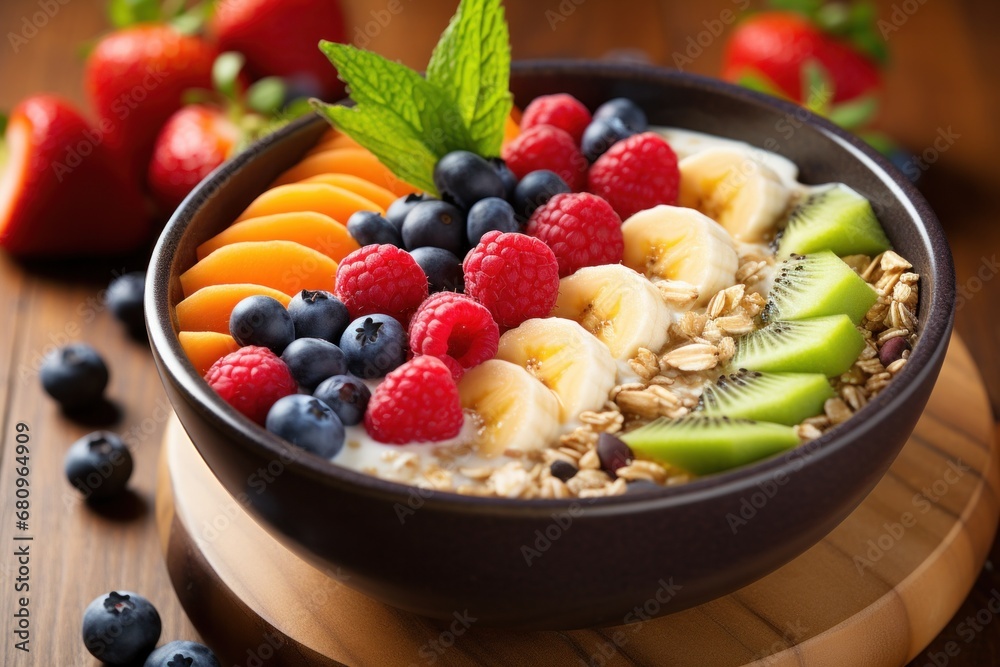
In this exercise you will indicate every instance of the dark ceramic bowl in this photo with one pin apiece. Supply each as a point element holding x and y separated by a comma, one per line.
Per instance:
<point>567,564</point>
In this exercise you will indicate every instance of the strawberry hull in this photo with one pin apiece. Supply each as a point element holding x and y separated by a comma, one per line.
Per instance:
<point>61,193</point>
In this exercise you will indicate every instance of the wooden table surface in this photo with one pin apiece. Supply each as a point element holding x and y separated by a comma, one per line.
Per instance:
<point>942,83</point>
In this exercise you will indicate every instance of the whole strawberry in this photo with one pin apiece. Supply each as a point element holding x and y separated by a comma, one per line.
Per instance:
<point>195,141</point>
<point>62,193</point>
<point>636,174</point>
<point>772,50</point>
<point>136,79</point>
<point>279,38</point>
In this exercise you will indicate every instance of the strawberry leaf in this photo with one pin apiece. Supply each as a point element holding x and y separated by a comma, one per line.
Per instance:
<point>4,119</point>
<point>855,113</point>
<point>471,65</point>
<point>124,13</point>
<point>755,80</point>
<point>226,73</point>
<point>267,95</point>
<point>817,87</point>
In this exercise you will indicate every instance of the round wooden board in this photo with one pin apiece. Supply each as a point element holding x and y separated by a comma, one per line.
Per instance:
<point>875,591</point>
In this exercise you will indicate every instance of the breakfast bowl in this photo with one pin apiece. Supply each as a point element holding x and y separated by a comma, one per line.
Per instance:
<point>576,562</point>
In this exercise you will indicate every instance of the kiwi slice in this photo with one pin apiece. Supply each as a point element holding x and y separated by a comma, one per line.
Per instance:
<point>703,445</point>
<point>828,345</point>
<point>817,285</point>
<point>782,398</point>
<point>836,218</point>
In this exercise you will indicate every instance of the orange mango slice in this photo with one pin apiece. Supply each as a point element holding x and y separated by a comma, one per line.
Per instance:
<point>354,161</point>
<point>313,230</point>
<point>204,348</point>
<point>358,186</point>
<point>511,130</point>
<point>337,203</point>
<point>282,265</point>
<point>209,308</point>
<point>333,140</point>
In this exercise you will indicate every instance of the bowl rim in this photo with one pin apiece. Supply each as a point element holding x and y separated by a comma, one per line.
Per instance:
<point>934,335</point>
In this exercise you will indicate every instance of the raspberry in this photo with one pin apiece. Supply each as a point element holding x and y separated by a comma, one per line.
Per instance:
<point>515,276</point>
<point>547,147</point>
<point>417,402</point>
<point>381,279</point>
<point>251,379</point>
<point>454,327</point>
<point>635,174</point>
<point>562,111</point>
<point>582,229</point>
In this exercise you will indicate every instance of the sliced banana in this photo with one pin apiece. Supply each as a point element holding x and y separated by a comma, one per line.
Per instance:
<point>513,408</point>
<point>618,306</point>
<point>564,357</point>
<point>674,243</point>
<point>736,189</point>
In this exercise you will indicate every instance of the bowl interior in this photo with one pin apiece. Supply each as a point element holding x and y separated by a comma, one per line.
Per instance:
<point>822,152</point>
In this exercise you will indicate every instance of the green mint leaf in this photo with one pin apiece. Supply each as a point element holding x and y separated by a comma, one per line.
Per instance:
<point>267,95</point>
<point>471,65</point>
<point>226,72</point>
<point>388,136</point>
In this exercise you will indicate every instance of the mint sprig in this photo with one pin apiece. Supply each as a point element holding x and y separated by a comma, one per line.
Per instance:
<point>410,122</point>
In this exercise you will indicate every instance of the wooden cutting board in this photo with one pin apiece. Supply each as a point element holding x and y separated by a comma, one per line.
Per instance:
<point>875,591</point>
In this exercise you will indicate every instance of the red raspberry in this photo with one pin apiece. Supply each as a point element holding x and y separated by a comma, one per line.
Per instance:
<point>454,327</point>
<point>561,110</point>
<point>514,275</point>
<point>582,229</point>
<point>547,147</point>
<point>381,279</point>
<point>251,379</point>
<point>635,174</point>
<point>417,402</point>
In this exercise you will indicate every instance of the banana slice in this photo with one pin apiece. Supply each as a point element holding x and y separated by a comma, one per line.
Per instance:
<point>736,189</point>
<point>566,358</point>
<point>674,243</point>
<point>514,409</point>
<point>618,306</point>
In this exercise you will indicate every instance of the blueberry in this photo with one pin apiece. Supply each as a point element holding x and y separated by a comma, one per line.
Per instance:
<point>182,654</point>
<point>120,628</point>
<point>436,224</point>
<point>263,321</point>
<point>124,299</point>
<point>506,176</point>
<point>347,396</point>
<point>535,189</point>
<point>75,375</point>
<point>318,314</point>
<point>463,178</point>
<point>308,423</point>
<point>374,345</point>
<point>613,453</point>
<point>312,360</point>
<point>443,269</point>
<point>488,215</point>
<point>563,470</point>
<point>368,228</point>
<point>601,135</point>
<point>98,465</point>
<point>401,208</point>
<point>626,110</point>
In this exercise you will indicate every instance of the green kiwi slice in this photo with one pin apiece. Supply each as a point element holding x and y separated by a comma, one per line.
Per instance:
<point>817,285</point>
<point>782,398</point>
<point>837,219</point>
<point>704,445</point>
<point>828,345</point>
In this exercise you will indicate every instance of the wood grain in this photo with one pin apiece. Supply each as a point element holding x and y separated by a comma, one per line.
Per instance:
<point>942,75</point>
<point>874,592</point>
